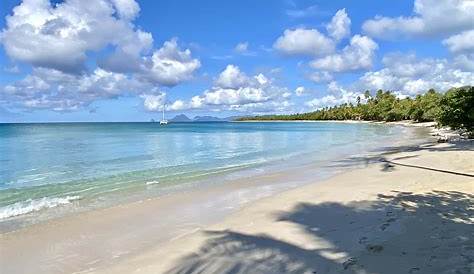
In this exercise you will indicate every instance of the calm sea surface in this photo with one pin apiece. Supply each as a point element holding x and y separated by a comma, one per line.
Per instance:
<point>51,167</point>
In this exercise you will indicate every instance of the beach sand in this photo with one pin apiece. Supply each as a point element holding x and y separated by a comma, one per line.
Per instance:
<point>407,212</point>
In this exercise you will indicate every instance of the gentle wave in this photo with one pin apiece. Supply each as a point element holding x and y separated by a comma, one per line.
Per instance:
<point>28,206</point>
<point>152,183</point>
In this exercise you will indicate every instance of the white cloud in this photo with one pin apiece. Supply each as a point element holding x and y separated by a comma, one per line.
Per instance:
<point>432,18</point>
<point>304,42</point>
<point>464,62</point>
<point>127,9</point>
<point>234,90</point>
<point>53,89</point>
<point>56,41</point>
<point>410,76</point>
<point>231,77</point>
<point>461,42</point>
<point>338,96</point>
<point>320,76</point>
<point>242,47</point>
<point>299,91</point>
<point>170,65</point>
<point>357,55</point>
<point>71,28</point>
<point>153,102</point>
<point>302,13</point>
<point>177,105</point>
<point>340,25</point>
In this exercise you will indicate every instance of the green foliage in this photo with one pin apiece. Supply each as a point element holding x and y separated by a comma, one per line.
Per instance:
<point>455,109</point>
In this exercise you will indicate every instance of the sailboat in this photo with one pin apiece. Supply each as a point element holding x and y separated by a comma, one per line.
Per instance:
<point>163,121</point>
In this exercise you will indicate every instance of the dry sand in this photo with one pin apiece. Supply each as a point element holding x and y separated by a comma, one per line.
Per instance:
<point>406,212</point>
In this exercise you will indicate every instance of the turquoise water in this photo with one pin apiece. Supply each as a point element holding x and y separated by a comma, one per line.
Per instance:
<point>45,166</point>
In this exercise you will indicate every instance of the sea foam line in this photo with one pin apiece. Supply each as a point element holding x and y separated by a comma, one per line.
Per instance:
<point>30,205</point>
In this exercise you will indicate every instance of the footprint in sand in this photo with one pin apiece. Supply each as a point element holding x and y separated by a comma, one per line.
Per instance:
<point>363,240</point>
<point>384,226</point>
<point>350,262</point>
<point>374,248</point>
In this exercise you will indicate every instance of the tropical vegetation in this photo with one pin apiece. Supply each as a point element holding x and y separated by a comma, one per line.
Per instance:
<point>454,108</point>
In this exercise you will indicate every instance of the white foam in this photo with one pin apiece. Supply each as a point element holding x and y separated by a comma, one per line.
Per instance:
<point>152,183</point>
<point>30,205</point>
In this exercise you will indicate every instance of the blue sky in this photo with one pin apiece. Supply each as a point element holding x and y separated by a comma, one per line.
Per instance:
<point>121,60</point>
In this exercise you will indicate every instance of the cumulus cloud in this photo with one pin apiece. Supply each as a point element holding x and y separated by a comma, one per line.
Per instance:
<point>340,25</point>
<point>231,77</point>
<point>154,102</point>
<point>302,41</point>
<point>338,95</point>
<point>127,9</point>
<point>464,62</point>
<point>357,55</point>
<point>53,89</point>
<point>462,42</point>
<point>71,28</point>
<point>170,65</point>
<point>56,41</point>
<point>234,90</point>
<point>410,75</point>
<point>431,18</point>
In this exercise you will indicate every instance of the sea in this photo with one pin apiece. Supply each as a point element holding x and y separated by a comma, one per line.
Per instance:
<point>52,169</point>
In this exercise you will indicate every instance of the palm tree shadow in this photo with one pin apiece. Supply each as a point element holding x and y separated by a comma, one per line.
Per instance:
<point>411,233</point>
<point>233,252</point>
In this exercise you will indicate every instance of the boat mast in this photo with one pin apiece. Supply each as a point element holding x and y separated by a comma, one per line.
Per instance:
<point>163,112</point>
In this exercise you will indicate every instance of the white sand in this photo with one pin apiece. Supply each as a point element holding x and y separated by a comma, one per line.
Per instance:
<point>386,218</point>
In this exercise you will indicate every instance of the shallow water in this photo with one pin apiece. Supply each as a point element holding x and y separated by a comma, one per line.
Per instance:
<point>47,170</point>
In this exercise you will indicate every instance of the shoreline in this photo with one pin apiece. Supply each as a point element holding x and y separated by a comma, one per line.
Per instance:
<point>393,218</point>
<point>135,217</point>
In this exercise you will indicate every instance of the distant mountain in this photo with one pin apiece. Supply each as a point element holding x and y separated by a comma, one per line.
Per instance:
<point>208,119</point>
<point>181,118</point>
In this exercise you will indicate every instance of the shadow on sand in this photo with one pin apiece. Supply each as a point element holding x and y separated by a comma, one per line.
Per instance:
<point>429,233</point>
<point>382,156</point>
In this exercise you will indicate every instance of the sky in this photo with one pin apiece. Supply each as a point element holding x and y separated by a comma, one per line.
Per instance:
<point>123,60</point>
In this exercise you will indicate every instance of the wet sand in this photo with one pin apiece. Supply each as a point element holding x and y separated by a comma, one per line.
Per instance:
<point>100,238</point>
<point>415,215</point>
<point>407,212</point>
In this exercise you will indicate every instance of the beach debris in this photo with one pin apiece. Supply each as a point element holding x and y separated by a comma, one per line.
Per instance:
<point>414,270</point>
<point>350,262</point>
